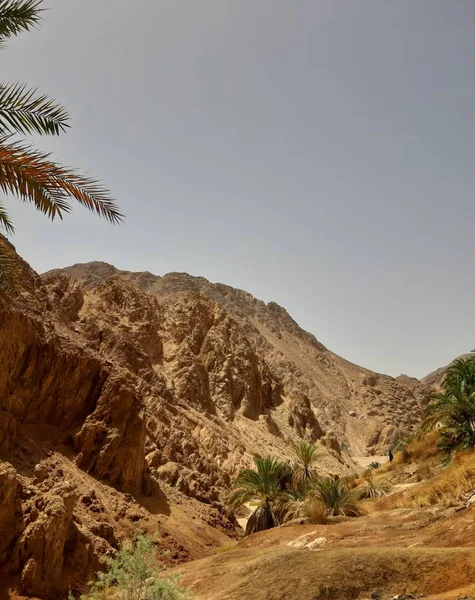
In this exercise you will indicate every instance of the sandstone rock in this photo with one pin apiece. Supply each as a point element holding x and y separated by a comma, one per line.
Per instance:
<point>40,550</point>
<point>302,418</point>
<point>111,443</point>
<point>11,514</point>
<point>66,294</point>
<point>8,428</point>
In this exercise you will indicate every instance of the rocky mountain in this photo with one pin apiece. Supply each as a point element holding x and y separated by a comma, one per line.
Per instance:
<point>299,382</point>
<point>128,402</point>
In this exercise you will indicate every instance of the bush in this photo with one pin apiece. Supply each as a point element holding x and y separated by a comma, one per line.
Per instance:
<point>134,573</point>
<point>374,465</point>
<point>373,488</point>
<point>337,499</point>
<point>302,505</point>
<point>447,488</point>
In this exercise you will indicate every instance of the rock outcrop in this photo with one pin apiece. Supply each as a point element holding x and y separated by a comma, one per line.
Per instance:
<point>257,358</point>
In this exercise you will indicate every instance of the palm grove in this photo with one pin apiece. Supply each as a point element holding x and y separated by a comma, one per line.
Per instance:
<point>280,491</point>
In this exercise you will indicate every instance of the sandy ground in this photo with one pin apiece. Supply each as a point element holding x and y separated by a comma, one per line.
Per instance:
<point>364,461</point>
<point>407,551</point>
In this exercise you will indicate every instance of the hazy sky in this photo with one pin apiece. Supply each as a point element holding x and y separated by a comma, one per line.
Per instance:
<point>318,153</point>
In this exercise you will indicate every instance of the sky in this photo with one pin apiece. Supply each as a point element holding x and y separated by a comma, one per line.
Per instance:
<point>316,153</point>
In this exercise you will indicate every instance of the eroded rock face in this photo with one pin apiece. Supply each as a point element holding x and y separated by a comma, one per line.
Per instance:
<point>8,429</point>
<point>41,548</point>
<point>302,418</point>
<point>111,442</point>
<point>11,513</point>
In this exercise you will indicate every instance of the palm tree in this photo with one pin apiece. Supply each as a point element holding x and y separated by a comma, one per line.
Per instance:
<point>27,173</point>
<point>261,486</point>
<point>462,369</point>
<point>454,408</point>
<point>304,457</point>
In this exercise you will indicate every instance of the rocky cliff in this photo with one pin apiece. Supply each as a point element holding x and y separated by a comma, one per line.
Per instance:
<point>300,382</point>
<point>128,401</point>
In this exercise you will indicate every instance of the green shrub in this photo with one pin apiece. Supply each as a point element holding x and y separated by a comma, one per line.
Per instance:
<point>373,488</point>
<point>336,497</point>
<point>374,465</point>
<point>134,574</point>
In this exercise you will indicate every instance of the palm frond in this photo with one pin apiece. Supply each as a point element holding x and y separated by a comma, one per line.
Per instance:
<point>17,16</point>
<point>5,222</point>
<point>23,111</point>
<point>263,486</point>
<point>240,497</point>
<point>374,465</point>
<point>34,177</point>
<point>305,453</point>
<point>298,504</point>
<point>373,488</point>
<point>454,409</point>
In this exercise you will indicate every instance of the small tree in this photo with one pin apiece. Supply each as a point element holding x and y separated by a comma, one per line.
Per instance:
<point>303,464</point>
<point>135,574</point>
<point>264,487</point>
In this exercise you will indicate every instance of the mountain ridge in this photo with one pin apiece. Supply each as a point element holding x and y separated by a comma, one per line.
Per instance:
<point>265,324</point>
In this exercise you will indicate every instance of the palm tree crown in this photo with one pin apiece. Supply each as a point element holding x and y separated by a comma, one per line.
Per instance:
<point>303,464</point>
<point>261,486</point>
<point>31,175</point>
<point>454,408</point>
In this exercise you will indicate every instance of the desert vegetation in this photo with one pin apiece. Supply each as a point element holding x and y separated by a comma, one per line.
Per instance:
<point>438,463</point>
<point>134,573</point>
<point>453,410</point>
<point>280,491</point>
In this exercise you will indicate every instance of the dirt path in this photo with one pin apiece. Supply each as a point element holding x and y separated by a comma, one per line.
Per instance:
<point>364,461</point>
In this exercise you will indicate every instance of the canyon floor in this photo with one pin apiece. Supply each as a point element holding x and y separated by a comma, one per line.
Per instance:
<point>405,553</point>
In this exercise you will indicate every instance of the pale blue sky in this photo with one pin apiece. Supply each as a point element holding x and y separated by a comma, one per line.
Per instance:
<point>318,153</point>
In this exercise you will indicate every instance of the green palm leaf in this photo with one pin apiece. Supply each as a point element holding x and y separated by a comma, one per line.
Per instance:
<point>17,16</point>
<point>337,499</point>
<point>454,409</point>
<point>22,111</point>
<point>303,468</point>
<point>5,222</point>
<point>262,486</point>
<point>32,176</point>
